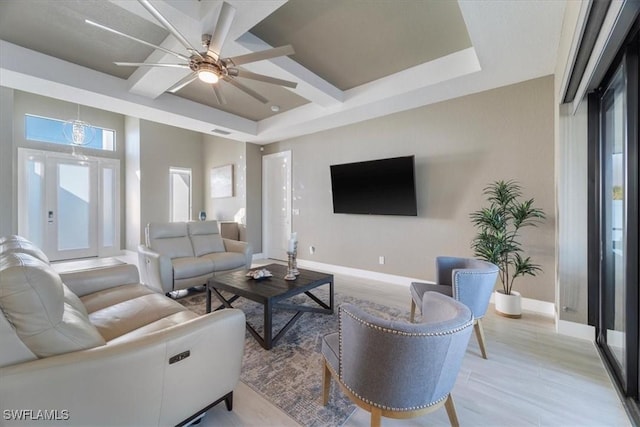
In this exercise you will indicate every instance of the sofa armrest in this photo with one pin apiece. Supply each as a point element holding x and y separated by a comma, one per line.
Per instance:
<point>134,382</point>
<point>156,270</point>
<point>83,282</point>
<point>241,247</point>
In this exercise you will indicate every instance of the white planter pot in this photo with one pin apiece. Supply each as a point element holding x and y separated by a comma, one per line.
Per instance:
<point>508,305</point>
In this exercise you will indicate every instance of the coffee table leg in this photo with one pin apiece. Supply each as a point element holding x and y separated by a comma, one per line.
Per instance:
<point>268,324</point>
<point>208,299</point>
<point>331,295</point>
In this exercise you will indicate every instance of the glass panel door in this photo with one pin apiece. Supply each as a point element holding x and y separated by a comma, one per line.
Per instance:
<point>69,207</point>
<point>614,234</point>
<point>72,210</point>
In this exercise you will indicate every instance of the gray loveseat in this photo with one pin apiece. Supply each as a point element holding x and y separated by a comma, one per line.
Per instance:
<point>181,255</point>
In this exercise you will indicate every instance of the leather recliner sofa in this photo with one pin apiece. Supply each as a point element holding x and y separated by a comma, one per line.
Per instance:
<point>181,255</point>
<point>96,347</point>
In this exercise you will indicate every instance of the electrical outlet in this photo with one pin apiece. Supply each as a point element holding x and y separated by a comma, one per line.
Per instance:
<point>312,250</point>
<point>381,259</point>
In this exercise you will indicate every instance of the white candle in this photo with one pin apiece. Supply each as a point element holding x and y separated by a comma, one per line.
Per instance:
<point>291,245</point>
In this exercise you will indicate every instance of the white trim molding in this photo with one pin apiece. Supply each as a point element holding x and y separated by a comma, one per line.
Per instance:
<point>576,330</point>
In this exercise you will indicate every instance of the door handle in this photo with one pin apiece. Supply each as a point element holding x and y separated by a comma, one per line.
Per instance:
<point>50,217</point>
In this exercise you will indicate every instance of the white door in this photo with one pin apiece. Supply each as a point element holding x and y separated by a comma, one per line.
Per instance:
<point>276,204</point>
<point>67,206</point>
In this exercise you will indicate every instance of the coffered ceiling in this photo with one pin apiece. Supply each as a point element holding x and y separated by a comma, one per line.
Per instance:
<point>354,59</point>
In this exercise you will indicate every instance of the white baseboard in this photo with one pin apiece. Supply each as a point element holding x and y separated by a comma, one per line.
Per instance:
<point>257,256</point>
<point>576,330</point>
<point>356,272</point>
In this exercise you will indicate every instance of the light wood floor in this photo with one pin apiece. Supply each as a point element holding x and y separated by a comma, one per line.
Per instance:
<point>533,377</point>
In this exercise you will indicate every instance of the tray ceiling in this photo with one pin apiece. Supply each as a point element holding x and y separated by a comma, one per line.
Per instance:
<point>354,59</point>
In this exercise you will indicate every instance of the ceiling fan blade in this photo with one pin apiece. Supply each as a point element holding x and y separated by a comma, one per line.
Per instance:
<point>148,64</point>
<point>217,93</point>
<point>182,83</point>
<point>262,78</point>
<point>262,55</point>
<point>166,24</point>
<point>225,19</point>
<point>111,30</point>
<point>246,90</point>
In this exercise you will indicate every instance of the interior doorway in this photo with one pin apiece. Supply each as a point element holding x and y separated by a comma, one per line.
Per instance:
<point>276,204</point>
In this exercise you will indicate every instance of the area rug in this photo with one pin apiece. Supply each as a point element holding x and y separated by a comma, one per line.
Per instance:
<point>290,374</point>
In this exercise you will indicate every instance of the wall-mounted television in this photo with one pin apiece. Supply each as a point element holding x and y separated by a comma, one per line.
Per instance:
<point>375,187</point>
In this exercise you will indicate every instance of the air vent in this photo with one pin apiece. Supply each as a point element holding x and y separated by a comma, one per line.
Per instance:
<point>221,132</point>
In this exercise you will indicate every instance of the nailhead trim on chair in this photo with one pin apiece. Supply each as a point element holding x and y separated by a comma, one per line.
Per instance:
<point>392,331</point>
<point>456,286</point>
<point>410,334</point>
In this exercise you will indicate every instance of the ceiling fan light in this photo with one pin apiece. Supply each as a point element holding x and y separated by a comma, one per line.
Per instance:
<point>208,76</point>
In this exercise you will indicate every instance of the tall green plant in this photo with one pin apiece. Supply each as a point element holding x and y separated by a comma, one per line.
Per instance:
<point>498,231</point>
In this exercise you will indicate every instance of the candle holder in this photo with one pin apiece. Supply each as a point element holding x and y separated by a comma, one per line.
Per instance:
<point>290,266</point>
<point>294,269</point>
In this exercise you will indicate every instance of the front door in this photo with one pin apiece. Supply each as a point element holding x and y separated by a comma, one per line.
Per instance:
<point>68,206</point>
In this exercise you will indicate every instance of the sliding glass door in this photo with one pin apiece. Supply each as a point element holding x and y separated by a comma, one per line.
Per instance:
<point>614,236</point>
<point>614,119</point>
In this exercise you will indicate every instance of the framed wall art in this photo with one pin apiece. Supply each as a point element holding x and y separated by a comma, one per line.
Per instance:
<point>222,182</point>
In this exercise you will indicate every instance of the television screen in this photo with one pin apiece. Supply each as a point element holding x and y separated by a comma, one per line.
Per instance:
<point>376,187</point>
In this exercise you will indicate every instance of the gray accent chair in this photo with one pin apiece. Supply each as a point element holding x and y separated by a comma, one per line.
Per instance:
<point>467,280</point>
<point>397,369</point>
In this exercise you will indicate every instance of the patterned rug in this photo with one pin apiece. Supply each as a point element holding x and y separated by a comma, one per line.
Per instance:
<point>290,374</point>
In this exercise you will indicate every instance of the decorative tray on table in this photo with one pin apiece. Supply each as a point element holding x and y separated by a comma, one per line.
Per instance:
<point>259,274</point>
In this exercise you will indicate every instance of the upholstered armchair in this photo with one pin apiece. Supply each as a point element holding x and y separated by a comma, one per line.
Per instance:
<point>398,369</point>
<point>467,280</point>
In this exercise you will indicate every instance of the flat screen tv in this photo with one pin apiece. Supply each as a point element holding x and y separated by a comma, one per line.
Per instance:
<point>376,187</point>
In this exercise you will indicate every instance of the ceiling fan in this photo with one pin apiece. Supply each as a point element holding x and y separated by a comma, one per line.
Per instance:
<point>209,66</point>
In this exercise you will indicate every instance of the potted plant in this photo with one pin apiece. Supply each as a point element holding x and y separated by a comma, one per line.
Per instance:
<point>498,227</point>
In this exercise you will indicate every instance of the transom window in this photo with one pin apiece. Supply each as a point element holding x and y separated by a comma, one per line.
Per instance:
<point>43,129</point>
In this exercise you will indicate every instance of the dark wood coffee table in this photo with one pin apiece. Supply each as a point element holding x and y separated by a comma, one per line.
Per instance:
<point>270,293</point>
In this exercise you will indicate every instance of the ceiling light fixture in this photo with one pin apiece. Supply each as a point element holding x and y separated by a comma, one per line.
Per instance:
<point>78,132</point>
<point>208,74</point>
<point>275,108</point>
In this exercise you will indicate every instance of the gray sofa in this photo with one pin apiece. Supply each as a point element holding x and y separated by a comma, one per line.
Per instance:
<point>181,255</point>
<point>103,350</point>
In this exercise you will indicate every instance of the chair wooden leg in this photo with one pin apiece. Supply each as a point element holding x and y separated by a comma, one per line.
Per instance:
<point>413,310</point>
<point>480,335</point>
<point>451,412</point>
<point>326,383</point>
<point>376,416</point>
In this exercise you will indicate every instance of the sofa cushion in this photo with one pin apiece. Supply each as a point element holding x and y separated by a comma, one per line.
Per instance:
<point>170,239</point>
<point>111,296</point>
<point>205,237</point>
<point>32,298</point>
<point>158,325</point>
<point>226,260</point>
<point>119,319</point>
<point>11,244</point>
<point>185,268</point>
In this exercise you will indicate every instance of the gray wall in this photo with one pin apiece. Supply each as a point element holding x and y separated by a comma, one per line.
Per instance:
<point>460,146</point>
<point>133,225</point>
<point>8,215</point>
<point>220,152</point>
<point>254,196</point>
<point>162,147</point>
